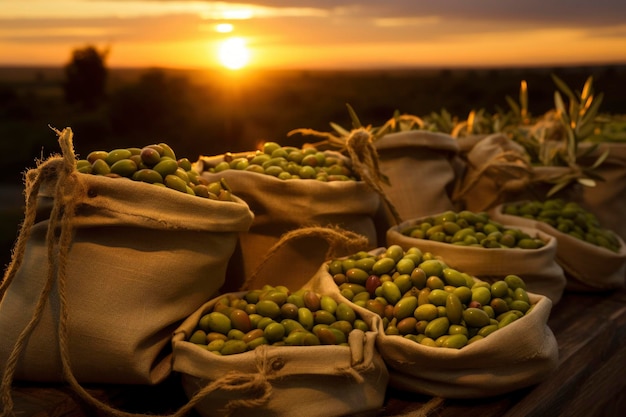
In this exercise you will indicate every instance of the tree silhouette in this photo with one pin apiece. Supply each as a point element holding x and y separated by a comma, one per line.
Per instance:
<point>86,76</point>
<point>156,104</point>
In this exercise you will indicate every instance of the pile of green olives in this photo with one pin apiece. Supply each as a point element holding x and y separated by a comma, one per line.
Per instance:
<point>567,217</point>
<point>467,228</point>
<point>273,315</point>
<point>154,164</point>
<point>289,162</point>
<point>422,299</point>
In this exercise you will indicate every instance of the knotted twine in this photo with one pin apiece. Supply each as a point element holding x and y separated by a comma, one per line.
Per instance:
<point>340,241</point>
<point>59,237</point>
<point>265,364</point>
<point>57,249</point>
<point>362,152</point>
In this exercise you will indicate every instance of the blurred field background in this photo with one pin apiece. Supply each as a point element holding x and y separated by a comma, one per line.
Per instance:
<point>209,113</point>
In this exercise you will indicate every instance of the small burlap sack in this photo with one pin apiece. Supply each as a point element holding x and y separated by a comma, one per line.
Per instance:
<point>607,200</point>
<point>324,380</point>
<point>281,206</point>
<point>587,267</point>
<point>516,356</point>
<point>419,167</point>
<point>103,271</point>
<point>537,267</point>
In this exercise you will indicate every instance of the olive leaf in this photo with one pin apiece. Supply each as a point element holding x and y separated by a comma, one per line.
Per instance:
<point>523,99</point>
<point>440,122</point>
<point>554,139</point>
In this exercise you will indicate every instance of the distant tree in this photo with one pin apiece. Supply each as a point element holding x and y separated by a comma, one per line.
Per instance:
<point>86,77</point>
<point>155,104</point>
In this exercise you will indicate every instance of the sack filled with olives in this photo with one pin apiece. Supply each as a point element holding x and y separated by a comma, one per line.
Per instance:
<point>593,258</point>
<point>478,245</point>
<point>288,188</point>
<point>408,158</point>
<point>441,331</point>
<point>119,262</point>
<point>276,352</point>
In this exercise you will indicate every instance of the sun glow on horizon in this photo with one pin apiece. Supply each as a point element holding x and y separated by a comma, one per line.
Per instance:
<point>233,53</point>
<point>224,27</point>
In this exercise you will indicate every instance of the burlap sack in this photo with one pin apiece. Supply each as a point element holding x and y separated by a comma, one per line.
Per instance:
<point>281,206</point>
<point>587,267</point>
<point>537,267</point>
<point>419,167</point>
<point>324,380</point>
<point>607,200</point>
<point>495,168</point>
<point>516,356</point>
<point>104,270</point>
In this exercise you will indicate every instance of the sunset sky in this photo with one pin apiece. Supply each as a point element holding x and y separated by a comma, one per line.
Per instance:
<point>316,34</point>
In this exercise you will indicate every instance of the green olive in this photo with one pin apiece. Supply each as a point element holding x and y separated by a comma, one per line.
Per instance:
<point>437,327</point>
<point>475,317</point>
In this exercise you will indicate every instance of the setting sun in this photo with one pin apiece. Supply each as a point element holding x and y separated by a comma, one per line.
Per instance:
<point>233,53</point>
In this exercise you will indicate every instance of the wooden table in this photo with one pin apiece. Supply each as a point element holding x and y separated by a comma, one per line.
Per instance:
<point>590,381</point>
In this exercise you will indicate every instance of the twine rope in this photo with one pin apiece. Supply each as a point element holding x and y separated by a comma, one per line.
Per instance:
<point>338,240</point>
<point>364,158</point>
<point>34,178</point>
<point>57,247</point>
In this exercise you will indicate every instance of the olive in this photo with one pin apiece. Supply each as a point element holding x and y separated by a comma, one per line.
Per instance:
<point>567,217</point>
<point>435,305</point>
<point>466,228</point>
<point>289,163</point>
<point>229,328</point>
<point>152,164</point>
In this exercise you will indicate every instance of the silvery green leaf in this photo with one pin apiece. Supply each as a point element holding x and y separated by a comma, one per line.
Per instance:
<point>587,182</point>
<point>584,130</point>
<point>600,159</point>
<point>560,107</point>
<point>563,87</point>
<point>339,129</point>
<point>558,187</point>
<point>471,121</point>
<point>355,120</point>
<point>591,174</point>
<point>592,112</point>
<point>523,98</point>
<point>574,110</point>
<point>514,106</point>
<point>587,89</point>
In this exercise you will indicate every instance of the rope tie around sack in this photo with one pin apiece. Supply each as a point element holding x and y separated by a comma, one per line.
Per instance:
<point>364,158</point>
<point>362,354</point>
<point>58,241</point>
<point>259,383</point>
<point>339,240</point>
<point>32,181</point>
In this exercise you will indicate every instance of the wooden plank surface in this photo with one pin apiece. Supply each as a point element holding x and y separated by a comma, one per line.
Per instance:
<point>590,381</point>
